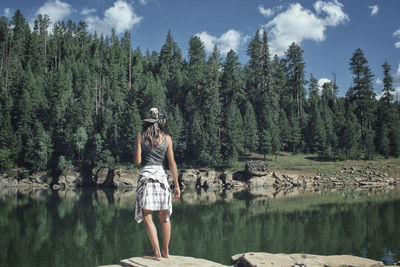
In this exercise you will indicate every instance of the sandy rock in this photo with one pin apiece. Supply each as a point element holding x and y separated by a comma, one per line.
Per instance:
<point>171,261</point>
<point>283,260</point>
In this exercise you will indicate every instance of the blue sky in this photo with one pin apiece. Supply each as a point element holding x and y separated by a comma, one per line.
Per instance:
<point>328,30</point>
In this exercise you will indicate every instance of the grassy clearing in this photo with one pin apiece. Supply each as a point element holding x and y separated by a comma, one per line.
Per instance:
<point>310,164</point>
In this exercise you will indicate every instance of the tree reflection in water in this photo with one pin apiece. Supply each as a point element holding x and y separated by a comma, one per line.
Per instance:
<point>89,227</point>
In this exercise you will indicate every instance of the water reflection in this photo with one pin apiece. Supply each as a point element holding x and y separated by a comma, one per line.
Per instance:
<point>89,227</point>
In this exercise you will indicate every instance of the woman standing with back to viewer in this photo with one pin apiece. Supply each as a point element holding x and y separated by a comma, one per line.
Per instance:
<point>153,191</point>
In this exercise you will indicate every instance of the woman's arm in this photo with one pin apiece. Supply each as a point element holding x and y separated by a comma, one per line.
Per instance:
<point>172,166</point>
<point>137,156</point>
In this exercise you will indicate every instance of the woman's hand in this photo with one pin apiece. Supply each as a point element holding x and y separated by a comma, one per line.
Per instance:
<point>177,192</point>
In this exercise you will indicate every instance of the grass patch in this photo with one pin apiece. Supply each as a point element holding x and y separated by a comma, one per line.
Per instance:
<point>311,164</point>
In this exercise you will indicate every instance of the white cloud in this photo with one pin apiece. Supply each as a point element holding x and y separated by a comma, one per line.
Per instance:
<point>87,11</point>
<point>56,10</point>
<point>231,39</point>
<point>208,40</point>
<point>143,2</point>
<point>396,85</point>
<point>374,10</point>
<point>397,34</point>
<point>267,12</point>
<point>379,81</point>
<point>297,24</point>
<point>7,12</point>
<point>396,77</point>
<point>396,81</point>
<point>334,11</point>
<point>121,17</point>
<point>321,83</point>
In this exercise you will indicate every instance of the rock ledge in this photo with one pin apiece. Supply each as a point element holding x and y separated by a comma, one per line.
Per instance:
<point>253,259</point>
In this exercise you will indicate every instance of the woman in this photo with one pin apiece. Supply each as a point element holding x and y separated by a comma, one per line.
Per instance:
<point>153,191</point>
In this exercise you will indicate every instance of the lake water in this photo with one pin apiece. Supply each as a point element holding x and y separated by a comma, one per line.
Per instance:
<point>89,227</point>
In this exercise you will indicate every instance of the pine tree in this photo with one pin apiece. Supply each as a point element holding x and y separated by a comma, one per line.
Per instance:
<point>388,89</point>
<point>295,77</point>
<point>176,128</point>
<point>254,69</point>
<point>265,142</point>
<point>232,138</point>
<point>284,129</point>
<point>250,134</point>
<point>387,123</point>
<point>294,99</point>
<point>232,83</point>
<point>212,110</point>
<point>171,63</point>
<point>363,96</point>
<point>351,135</point>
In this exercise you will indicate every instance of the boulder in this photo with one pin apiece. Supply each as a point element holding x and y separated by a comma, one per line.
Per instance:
<point>208,179</point>
<point>268,259</point>
<point>103,176</point>
<point>262,181</point>
<point>24,183</point>
<point>40,179</point>
<point>71,179</point>
<point>170,261</point>
<point>126,178</point>
<point>256,168</point>
<point>189,177</point>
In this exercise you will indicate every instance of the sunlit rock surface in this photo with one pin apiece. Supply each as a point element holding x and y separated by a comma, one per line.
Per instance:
<point>171,261</point>
<point>266,259</point>
<point>253,259</point>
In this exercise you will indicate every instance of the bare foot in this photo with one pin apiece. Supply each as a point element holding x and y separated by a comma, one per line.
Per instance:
<point>164,254</point>
<point>152,257</point>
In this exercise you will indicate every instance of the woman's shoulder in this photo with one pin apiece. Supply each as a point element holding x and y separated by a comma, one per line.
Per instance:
<point>168,138</point>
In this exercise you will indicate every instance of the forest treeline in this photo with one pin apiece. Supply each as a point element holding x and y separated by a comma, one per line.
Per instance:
<point>70,98</point>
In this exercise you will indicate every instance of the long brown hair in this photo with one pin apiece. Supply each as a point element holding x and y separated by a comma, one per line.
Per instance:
<point>151,131</point>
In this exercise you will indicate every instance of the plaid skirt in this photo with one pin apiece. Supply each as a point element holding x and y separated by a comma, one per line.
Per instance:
<point>152,193</point>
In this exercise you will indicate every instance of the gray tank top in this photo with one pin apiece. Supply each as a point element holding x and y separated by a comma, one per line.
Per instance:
<point>153,155</point>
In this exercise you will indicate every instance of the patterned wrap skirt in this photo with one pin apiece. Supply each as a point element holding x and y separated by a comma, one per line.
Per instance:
<point>152,192</point>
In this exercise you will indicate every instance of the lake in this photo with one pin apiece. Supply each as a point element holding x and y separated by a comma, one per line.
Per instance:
<point>90,227</point>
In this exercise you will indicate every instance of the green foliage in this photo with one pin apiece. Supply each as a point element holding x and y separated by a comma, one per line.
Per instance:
<point>64,165</point>
<point>265,142</point>
<point>67,93</point>
<point>232,137</point>
<point>176,130</point>
<point>250,135</point>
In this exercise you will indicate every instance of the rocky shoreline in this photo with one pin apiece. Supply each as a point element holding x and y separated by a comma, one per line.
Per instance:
<point>252,259</point>
<point>256,175</point>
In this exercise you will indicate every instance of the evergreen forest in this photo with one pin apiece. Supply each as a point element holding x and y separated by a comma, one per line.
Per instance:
<point>71,99</point>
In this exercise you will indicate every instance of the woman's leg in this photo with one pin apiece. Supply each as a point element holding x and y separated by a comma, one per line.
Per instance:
<point>152,233</point>
<point>166,232</point>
